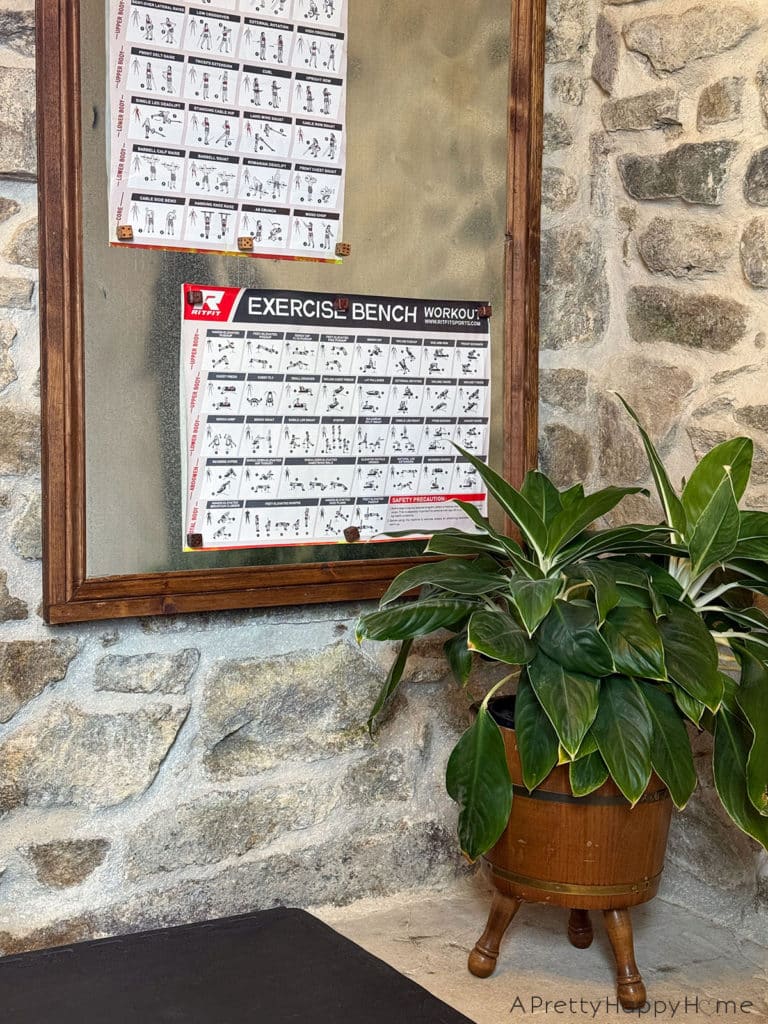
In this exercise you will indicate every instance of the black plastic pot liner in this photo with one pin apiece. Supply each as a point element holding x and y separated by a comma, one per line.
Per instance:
<point>275,967</point>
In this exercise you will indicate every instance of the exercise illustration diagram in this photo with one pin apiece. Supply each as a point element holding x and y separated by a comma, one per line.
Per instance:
<point>346,427</point>
<point>260,81</point>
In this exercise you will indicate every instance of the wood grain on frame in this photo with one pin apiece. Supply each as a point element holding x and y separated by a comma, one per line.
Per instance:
<point>68,596</point>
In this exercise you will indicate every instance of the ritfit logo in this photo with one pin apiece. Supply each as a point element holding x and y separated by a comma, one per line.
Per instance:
<point>212,301</point>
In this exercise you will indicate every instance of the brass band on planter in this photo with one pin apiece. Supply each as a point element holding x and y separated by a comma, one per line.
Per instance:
<point>575,890</point>
<point>594,799</point>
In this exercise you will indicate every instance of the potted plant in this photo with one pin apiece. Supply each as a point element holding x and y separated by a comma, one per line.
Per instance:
<point>624,643</point>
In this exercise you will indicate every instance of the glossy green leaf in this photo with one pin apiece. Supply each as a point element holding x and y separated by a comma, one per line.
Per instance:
<point>569,636</point>
<point>715,531</point>
<point>690,654</point>
<point>601,574</point>
<point>692,709</point>
<point>623,731</point>
<point>496,634</point>
<point>416,618</point>
<point>458,576</point>
<point>512,549</point>
<point>588,746</point>
<point>752,698</point>
<point>572,495</point>
<point>478,779</point>
<point>731,751</point>
<point>731,460</point>
<point>587,774</point>
<point>634,643</point>
<point>542,495</point>
<point>649,540</point>
<point>533,600</point>
<point>512,502</point>
<point>753,536</point>
<point>671,756</point>
<point>674,513</point>
<point>575,518</point>
<point>537,741</point>
<point>391,683</point>
<point>457,542</point>
<point>459,657</point>
<point>570,699</point>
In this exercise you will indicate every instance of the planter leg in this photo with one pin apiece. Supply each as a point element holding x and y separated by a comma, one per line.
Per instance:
<point>630,987</point>
<point>580,929</point>
<point>482,959</point>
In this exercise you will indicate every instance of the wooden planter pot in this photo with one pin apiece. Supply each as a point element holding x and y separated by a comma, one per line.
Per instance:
<point>585,853</point>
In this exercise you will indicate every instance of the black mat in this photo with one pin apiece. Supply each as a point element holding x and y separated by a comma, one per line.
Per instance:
<point>275,967</point>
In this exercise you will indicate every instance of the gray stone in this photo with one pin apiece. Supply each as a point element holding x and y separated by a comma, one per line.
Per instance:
<point>27,667</point>
<point>705,322</point>
<point>564,388</point>
<point>605,64</point>
<point>696,172</point>
<point>73,757</point>
<point>685,248</point>
<point>754,252</point>
<point>309,705</point>
<point>574,288</point>
<point>762,85</point>
<point>557,133</point>
<point>18,155</point>
<point>147,673</point>
<point>60,933</point>
<point>17,31</point>
<point>657,393</point>
<point>228,824</point>
<point>755,416</point>
<point>569,87</point>
<point>565,455</point>
<point>558,189</point>
<point>601,187</point>
<point>567,30</point>
<point>621,454</point>
<point>10,607</point>
<point>22,248</point>
<point>7,368</point>
<point>650,110</point>
<point>8,208</point>
<point>756,181</point>
<point>64,863</point>
<point>670,42</point>
<point>382,778</point>
<point>25,532</point>
<point>19,440</point>
<point>16,292</point>
<point>721,102</point>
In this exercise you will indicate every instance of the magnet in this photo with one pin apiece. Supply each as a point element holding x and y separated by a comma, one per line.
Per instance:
<point>351,534</point>
<point>194,540</point>
<point>195,297</point>
<point>124,233</point>
<point>485,312</point>
<point>341,304</point>
<point>245,243</point>
<point>343,248</point>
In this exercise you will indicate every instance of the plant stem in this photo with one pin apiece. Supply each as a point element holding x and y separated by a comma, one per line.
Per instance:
<point>496,687</point>
<point>717,592</point>
<point>732,635</point>
<point>576,586</point>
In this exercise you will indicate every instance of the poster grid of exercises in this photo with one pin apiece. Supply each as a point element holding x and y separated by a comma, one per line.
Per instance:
<point>304,415</point>
<point>228,124</point>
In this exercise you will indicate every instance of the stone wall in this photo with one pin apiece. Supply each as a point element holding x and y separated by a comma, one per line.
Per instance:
<point>157,771</point>
<point>655,284</point>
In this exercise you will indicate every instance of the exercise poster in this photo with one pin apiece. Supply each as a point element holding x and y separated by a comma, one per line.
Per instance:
<point>228,124</point>
<point>312,419</point>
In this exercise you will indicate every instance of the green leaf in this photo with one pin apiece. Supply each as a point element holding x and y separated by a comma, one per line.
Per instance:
<point>391,683</point>
<point>716,530</point>
<point>570,699</point>
<point>498,636</point>
<point>730,767</point>
<point>731,460</point>
<point>456,575</point>
<point>570,637</point>
<point>572,495</point>
<point>674,513</point>
<point>753,536</point>
<point>752,698</point>
<point>459,657</point>
<point>588,746</point>
<point>536,739</point>
<point>533,600</point>
<point>690,654</point>
<point>512,549</point>
<point>457,542</point>
<point>623,731</point>
<point>512,502</point>
<point>478,779</point>
<point>649,540</point>
<point>634,643</point>
<point>692,709</point>
<point>413,619</point>
<point>587,774</point>
<point>576,517</point>
<point>671,756</point>
<point>542,495</point>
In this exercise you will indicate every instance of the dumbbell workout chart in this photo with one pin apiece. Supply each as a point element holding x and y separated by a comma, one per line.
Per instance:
<point>305,416</point>
<point>227,128</point>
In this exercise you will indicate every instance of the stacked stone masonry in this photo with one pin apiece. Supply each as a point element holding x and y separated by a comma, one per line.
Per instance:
<point>166,770</point>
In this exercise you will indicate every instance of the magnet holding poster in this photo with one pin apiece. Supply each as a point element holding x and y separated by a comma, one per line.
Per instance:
<point>310,420</point>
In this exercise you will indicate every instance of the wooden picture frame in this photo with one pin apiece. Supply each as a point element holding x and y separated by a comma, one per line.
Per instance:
<point>69,595</point>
